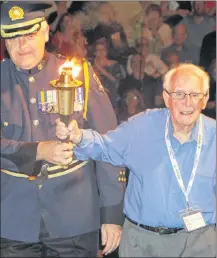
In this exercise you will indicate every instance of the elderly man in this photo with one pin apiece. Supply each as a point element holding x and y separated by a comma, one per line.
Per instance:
<point>170,200</point>
<point>50,208</point>
<point>186,52</point>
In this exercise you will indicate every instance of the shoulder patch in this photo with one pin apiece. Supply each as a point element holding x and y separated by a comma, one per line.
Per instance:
<point>100,87</point>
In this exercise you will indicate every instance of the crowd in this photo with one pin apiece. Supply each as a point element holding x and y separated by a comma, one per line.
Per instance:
<point>161,65</point>
<point>163,35</point>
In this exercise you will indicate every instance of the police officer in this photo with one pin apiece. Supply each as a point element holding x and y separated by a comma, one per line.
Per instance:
<point>51,205</point>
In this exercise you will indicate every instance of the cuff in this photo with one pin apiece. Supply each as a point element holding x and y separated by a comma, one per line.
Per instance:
<point>24,158</point>
<point>112,214</point>
<point>87,138</point>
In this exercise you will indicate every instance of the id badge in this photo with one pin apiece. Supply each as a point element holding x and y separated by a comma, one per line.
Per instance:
<point>193,219</point>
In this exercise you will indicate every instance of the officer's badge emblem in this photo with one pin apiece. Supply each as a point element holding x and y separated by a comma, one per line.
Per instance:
<point>100,87</point>
<point>16,13</point>
<point>122,176</point>
<point>47,101</point>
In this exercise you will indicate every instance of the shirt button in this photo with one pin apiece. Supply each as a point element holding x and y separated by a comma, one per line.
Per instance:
<point>31,79</point>
<point>33,100</point>
<point>35,122</point>
<point>5,123</point>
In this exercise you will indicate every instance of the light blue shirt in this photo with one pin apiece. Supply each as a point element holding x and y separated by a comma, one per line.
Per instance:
<point>153,196</point>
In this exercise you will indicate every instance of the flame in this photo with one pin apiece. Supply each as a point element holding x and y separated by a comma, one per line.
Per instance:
<point>75,68</point>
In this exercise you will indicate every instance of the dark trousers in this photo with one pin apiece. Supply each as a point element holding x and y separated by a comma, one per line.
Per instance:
<point>79,246</point>
<point>85,245</point>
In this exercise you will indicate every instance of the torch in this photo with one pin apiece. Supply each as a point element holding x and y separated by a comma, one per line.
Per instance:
<point>66,87</point>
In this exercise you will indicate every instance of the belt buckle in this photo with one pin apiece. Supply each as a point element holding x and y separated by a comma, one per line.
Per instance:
<point>43,175</point>
<point>163,231</point>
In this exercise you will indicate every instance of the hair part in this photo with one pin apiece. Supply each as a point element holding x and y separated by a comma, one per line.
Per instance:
<point>182,69</point>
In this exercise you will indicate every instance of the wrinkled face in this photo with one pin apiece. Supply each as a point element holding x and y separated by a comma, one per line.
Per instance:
<point>101,51</point>
<point>180,35</point>
<point>185,112</point>
<point>27,51</point>
<point>199,7</point>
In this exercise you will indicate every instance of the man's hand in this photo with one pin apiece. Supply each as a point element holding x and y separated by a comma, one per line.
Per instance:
<point>74,133</point>
<point>55,152</point>
<point>111,236</point>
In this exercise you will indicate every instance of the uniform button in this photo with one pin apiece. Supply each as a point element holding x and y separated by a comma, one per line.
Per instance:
<point>5,123</point>
<point>35,122</point>
<point>31,79</point>
<point>33,100</point>
<point>39,186</point>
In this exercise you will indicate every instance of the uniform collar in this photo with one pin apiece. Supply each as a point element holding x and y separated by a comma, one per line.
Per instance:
<point>37,68</point>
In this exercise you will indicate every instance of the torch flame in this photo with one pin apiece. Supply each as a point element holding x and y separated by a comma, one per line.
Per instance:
<point>75,68</point>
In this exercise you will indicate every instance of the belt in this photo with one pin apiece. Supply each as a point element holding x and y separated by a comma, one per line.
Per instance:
<point>44,172</point>
<point>159,230</point>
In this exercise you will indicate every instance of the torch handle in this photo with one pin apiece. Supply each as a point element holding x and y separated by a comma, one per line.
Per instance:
<point>65,120</point>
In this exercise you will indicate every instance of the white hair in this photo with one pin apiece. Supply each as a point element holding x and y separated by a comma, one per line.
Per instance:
<point>189,70</point>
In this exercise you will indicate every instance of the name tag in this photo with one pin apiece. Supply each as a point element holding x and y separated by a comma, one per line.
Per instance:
<point>193,220</point>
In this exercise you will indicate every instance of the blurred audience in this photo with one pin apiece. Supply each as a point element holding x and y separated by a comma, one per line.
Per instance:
<point>211,105</point>
<point>148,69</point>
<point>208,50</point>
<point>110,72</point>
<point>210,8</point>
<point>68,39</point>
<point>186,52</point>
<point>174,11</point>
<point>111,30</point>
<point>132,103</point>
<point>158,33</point>
<point>199,24</point>
<point>54,17</point>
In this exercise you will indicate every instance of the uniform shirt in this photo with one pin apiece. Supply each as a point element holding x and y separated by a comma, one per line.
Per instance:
<point>72,204</point>
<point>153,196</point>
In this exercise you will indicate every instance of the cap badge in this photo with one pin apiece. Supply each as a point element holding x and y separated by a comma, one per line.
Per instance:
<point>16,13</point>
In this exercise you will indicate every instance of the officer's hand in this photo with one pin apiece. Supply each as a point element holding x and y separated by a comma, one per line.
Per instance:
<point>111,236</point>
<point>55,152</point>
<point>74,133</point>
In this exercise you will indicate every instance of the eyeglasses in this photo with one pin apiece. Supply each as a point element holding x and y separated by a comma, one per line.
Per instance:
<point>181,95</point>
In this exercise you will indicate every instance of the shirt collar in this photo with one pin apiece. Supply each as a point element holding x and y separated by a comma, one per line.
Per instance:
<point>38,67</point>
<point>194,133</point>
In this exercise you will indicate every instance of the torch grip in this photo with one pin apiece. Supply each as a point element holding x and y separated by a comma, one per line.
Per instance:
<point>65,120</point>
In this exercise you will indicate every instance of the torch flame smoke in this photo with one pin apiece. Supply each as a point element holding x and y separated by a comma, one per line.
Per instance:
<point>75,68</point>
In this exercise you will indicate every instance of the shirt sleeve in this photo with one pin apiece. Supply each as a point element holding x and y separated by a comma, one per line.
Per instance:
<point>111,147</point>
<point>22,154</point>
<point>101,117</point>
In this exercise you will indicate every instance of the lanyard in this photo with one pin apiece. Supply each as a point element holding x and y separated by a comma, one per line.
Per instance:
<point>175,164</point>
